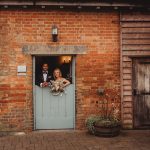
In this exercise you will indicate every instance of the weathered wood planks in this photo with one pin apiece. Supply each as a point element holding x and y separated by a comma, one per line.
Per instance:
<point>135,42</point>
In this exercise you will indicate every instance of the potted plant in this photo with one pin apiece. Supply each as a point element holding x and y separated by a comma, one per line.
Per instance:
<point>107,124</point>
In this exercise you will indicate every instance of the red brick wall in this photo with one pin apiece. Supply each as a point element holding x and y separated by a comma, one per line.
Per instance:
<point>99,67</point>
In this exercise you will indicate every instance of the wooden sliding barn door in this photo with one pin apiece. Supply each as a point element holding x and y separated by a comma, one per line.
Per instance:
<point>141,92</point>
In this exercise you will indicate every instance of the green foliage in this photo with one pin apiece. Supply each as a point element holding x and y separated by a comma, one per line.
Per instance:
<point>107,122</point>
<point>90,123</point>
<point>101,122</point>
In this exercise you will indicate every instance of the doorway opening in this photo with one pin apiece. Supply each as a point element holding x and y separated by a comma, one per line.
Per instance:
<point>64,63</point>
<point>51,111</point>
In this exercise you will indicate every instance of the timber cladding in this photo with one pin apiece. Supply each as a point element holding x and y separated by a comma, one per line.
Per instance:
<point>135,35</point>
<point>98,67</point>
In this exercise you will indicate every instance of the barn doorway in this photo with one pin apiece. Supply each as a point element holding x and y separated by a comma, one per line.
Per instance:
<point>54,111</point>
<point>141,92</point>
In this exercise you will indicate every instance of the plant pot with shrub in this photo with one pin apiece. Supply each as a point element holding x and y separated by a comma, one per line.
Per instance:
<point>107,124</point>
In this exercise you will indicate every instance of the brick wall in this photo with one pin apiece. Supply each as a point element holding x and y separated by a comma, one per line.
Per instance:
<point>99,67</point>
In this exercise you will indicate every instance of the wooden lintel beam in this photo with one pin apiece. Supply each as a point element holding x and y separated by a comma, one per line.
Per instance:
<point>16,3</point>
<point>69,4</point>
<point>81,4</point>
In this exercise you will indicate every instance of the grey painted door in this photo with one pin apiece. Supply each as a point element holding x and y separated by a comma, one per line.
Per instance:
<point>141,93</point>
<point>55,112</point>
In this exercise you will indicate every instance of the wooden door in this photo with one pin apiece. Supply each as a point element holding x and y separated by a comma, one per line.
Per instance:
<point>141,92</point>
<point>55,112</point>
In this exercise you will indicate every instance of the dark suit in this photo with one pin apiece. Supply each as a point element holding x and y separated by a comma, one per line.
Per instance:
<point>40,79</point>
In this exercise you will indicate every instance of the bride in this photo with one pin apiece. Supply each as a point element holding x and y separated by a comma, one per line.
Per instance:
<point>59,82</point>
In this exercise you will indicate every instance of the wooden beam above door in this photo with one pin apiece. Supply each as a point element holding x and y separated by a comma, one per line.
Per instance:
<point>78,4</point>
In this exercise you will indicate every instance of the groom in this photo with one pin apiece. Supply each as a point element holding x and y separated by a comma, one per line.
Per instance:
<point>44,77</point>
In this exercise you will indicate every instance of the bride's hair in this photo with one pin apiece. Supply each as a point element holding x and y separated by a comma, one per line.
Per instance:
<point>57,69</point>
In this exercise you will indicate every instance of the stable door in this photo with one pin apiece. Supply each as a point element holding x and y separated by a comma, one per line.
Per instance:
<point>55,111</point>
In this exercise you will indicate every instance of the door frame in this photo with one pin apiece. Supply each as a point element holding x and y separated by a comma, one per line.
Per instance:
<point>34,91</point>
<point>133,86</point>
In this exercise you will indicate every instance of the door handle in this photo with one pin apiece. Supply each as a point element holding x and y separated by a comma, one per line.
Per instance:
<point>134,92</point>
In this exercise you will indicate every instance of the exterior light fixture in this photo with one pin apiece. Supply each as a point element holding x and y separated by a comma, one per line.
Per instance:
<point>54,33</point>
<point>100,91</point>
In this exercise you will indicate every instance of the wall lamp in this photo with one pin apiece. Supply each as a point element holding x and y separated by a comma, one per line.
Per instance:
<point>54,33</point>
<point>100,91</point>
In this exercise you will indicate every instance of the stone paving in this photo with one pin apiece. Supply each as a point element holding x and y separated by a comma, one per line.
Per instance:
<point>76,140</point>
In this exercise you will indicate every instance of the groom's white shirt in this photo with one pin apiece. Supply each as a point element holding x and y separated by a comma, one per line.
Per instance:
<point>44,77</point>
